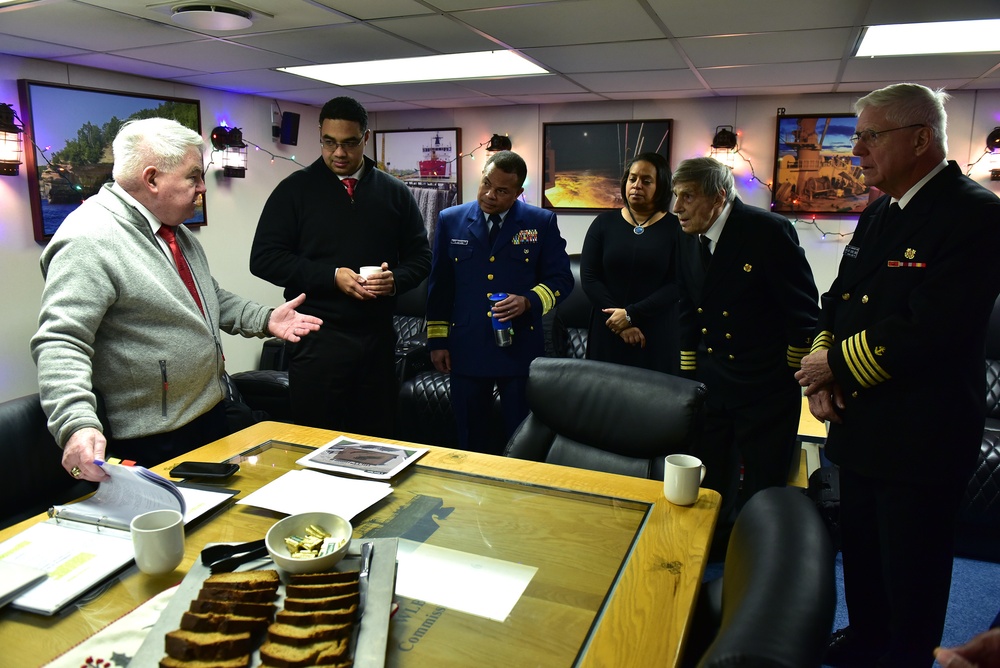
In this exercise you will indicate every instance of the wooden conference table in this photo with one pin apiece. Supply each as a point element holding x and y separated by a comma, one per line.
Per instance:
<point>618,567</point>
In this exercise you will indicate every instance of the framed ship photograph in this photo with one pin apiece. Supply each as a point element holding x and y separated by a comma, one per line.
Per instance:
<point>814,169</point>
<point>583,163</point>
<point>68,133</point>
<point>427,162</point>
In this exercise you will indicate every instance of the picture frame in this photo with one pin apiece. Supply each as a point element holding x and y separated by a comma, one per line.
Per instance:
<point>68,132</point>
<point>583,163</point>
<point>815,172</point>
<point>427,161</point>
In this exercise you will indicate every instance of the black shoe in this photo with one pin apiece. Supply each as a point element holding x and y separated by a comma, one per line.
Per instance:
<point>845,649</point>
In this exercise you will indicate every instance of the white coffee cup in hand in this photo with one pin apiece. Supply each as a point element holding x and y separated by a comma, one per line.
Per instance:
<point>370,271</point>
<point>682,476</point>
<point>158,541</point>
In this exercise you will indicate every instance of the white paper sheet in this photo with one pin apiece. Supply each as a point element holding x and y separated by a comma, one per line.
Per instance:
<point>470,583</point>
<point>301,491</point>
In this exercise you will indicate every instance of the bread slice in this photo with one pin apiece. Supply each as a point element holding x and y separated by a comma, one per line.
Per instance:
<point>288,634</point>
<point>210,622</point>
<point>330,577</point>
<point>342,616</point>
<point>238,662</point>
<point>188,645</point>
<point>241,608</point>
<point>320,590</point>
<point>246,595</point>
<point>325,603</point>
<point>266,579</point>
<point>325,653</point>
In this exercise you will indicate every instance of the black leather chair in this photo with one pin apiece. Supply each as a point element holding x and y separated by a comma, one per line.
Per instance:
<point>978,530</point>
<point>410,323</point>
<point>571,323</point>
<point>33,478</point>
<point>607,417</point>
<point>773,607</point>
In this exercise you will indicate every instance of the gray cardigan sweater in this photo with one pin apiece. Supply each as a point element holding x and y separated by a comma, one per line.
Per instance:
<point>116,318</point>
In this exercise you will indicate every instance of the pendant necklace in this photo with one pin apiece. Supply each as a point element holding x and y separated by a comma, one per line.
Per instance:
<point>639,228</point>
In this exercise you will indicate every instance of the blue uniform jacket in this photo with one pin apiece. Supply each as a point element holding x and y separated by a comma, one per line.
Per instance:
<point>530,261</point>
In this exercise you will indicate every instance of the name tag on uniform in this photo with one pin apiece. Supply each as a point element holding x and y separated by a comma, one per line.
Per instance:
<point>459,242</point>
<point>851,251</point>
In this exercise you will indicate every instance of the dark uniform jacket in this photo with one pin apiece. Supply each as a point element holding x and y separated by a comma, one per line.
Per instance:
<point>530,260</point>
<point>905,324</point>
<point>748,321</point>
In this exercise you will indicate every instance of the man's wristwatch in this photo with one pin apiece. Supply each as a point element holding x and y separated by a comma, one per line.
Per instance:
<point>628,318</point>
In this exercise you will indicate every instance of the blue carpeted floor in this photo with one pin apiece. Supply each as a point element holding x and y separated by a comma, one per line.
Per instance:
<point>974,601</point>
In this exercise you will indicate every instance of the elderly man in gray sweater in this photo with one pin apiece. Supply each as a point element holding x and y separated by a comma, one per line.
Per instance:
<point>131,314</point>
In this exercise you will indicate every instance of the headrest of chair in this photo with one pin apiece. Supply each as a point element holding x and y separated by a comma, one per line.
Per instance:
<point>575,310</point>
<point>614,407</point>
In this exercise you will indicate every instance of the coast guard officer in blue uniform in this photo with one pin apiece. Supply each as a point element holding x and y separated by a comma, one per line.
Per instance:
<point>493,246</point>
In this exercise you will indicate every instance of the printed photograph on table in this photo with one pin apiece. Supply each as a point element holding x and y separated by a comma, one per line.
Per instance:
<point>363,458</point>
<point>427,162</point>
<point>68,132</point>
<point>815,171</point>
<point>583,162</point>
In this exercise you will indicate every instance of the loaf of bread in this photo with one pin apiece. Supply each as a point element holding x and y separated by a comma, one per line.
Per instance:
<point>207,622</point>
<point>188,645</point>
<point>223,624</point>
<point>239,662</point>
<point>324,653</point>
<point>244,580</point>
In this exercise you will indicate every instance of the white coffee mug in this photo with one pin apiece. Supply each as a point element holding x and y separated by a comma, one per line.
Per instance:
<point>369,271</point>
<point>158,541</point>
<point>682,476</point>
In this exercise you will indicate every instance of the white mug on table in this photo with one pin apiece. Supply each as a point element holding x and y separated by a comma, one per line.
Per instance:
<point>682,476</point>
<point>158,541</point>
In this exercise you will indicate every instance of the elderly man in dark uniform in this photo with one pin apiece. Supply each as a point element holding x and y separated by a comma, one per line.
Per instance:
<point>501,247</point>
<point>748,311</point>
<point>897,368</point>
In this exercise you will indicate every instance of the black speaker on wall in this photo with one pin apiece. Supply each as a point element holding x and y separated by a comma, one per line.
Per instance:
<point>289,128</point>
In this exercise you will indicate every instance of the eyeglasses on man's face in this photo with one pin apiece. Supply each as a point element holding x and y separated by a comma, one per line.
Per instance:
<point>870,137</point>
<point>331,145</point>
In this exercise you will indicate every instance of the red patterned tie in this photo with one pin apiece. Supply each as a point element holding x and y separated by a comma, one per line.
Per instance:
<point>349,184</point>
<point>183,269</point>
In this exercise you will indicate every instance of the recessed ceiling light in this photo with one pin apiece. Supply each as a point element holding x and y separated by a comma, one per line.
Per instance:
<point>449,67</point>
<point>909,39</point>
<point>211,17</point>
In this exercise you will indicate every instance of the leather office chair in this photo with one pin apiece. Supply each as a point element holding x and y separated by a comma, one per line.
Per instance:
<point>607,417</point>
<point>410,322</point>
<point>32,477</point>
<point>571,323</point>
<point>773,606</point>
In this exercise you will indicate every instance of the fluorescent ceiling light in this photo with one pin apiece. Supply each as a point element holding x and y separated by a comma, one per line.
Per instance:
<point>480,65</point>
<point>924,38</point>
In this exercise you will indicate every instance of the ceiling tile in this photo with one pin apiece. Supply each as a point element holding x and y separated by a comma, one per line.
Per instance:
<point>545,83</point>
<point>762,48</point>
<point>437,33</point>
<point>107,61</point>
<point>637,80</point>
<point>781,74</point>
<point>650,54</point>
<point>902,68</point>
<point>724,17</point>
<point>336,44</point>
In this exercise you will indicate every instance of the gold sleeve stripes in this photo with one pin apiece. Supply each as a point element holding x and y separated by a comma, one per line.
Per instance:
<point>794,356</point>
<point>861,360</point>
<point>545,294</point>
<point>437,329</point>
<point>823,341</point>
<point>689,360</point>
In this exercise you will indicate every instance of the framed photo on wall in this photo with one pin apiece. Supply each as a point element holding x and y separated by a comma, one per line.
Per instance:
<point>427,162</point>
<point>814,169</point>
<point>583,163</point>
<point>68,133</point>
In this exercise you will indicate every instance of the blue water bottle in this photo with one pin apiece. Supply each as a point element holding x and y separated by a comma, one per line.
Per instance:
<point>503,333</point>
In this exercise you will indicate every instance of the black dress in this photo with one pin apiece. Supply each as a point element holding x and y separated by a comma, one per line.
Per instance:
<point>621,269</point>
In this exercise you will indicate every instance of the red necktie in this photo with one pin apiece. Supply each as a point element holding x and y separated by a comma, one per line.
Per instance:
<point>183,269</point>
<point>349,184</point>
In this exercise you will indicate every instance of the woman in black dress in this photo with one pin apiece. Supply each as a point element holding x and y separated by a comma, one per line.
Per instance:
<point>627,271</point>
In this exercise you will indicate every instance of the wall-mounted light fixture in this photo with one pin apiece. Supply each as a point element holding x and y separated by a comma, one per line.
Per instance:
<point>993,141</point>
<point>234,151</point>
<point>10,142</point>
<point>499,143</point>
<point>724,144</point>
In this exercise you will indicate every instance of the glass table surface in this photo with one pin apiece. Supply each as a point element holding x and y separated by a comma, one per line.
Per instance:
<point>577,542</point>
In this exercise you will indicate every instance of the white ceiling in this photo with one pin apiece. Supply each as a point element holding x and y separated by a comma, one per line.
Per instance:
<point>595,49</point>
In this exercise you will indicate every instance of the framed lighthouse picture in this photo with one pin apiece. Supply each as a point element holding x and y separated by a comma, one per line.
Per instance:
<point>815,171</point>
